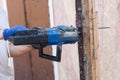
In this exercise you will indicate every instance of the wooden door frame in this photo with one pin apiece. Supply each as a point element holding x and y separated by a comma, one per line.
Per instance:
<point>88,48</point>
<point>35,67</point>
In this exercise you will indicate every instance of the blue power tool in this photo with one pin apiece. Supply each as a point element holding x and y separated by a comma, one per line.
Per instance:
<point>39,38</point>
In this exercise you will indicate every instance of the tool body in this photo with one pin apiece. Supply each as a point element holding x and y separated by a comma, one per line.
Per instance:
<point>39,38</point>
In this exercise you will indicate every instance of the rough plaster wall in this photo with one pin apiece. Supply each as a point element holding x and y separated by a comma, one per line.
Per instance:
<point>64,13</point>
<point>108,57</point>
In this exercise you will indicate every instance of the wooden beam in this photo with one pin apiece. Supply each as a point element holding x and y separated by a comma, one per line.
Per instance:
<point>88,38</point>
<point>31,13</point>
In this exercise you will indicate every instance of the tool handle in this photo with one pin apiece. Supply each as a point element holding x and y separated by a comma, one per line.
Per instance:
<point>50,57</point>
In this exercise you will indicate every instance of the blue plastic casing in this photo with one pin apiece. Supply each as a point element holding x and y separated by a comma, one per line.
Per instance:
<point>56,36</point>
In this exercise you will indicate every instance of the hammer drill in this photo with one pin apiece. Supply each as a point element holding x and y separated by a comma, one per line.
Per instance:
<point>41,37</point>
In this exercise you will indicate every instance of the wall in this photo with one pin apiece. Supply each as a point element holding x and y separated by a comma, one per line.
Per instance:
<point>108,23</point>
<point>64,14</point>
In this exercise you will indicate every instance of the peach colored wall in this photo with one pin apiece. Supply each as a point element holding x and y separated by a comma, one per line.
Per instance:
<point>64,13</point>
<point>108,57</point>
